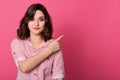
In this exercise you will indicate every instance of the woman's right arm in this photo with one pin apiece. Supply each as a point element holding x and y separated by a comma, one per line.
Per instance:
<point>30,63</point>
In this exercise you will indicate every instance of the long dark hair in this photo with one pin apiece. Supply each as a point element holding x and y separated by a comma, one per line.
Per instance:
<point>23,31</point>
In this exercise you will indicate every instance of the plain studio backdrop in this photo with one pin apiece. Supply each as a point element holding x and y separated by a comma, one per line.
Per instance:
<point>91,43</point>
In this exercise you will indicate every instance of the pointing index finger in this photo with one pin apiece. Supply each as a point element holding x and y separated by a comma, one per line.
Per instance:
<point>59,38</point>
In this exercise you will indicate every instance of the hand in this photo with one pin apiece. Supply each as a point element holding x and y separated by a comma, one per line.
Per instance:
<point>54,46</point>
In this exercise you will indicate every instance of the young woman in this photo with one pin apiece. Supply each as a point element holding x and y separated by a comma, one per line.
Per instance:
<point>36,55</point>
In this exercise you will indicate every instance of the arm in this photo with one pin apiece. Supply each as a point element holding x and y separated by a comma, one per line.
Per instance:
<point>59,79</point>
<point>30,63</point>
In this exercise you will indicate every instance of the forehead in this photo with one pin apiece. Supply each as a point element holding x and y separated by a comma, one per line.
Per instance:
<point>39,13</point>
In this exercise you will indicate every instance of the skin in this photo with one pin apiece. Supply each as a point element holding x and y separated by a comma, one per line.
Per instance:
<point>36,26</point>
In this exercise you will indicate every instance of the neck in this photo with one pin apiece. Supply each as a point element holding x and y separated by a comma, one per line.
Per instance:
<point>35,39</point>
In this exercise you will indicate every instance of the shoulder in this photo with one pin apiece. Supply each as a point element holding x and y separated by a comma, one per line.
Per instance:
<point>45,44</point>
<point>16,41</point>
<point>50,40</point>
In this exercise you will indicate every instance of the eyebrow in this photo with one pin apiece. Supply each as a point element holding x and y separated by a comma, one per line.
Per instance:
<point>42,17</point>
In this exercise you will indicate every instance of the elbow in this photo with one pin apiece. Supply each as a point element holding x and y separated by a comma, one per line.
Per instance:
<point>23,68</point>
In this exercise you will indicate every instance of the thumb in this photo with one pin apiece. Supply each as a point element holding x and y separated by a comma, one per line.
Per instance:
<point>59,38</point>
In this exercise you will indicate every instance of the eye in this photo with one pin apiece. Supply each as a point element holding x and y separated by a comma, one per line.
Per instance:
<point>41,19</point>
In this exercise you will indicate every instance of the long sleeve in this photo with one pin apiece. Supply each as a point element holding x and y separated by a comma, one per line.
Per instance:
<point>18,51</point>
<point>58,66</point>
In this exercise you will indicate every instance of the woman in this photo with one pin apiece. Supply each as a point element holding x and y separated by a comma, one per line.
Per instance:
<point>36,55</point>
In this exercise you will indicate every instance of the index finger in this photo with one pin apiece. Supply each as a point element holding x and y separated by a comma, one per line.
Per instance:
<point>59,38</point>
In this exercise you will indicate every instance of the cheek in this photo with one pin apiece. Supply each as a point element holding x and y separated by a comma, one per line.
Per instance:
<point>42,22</point>
<point>42,28</point>
<point>30,24</point>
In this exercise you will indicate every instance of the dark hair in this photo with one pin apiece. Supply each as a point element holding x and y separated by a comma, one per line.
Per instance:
<point>23,31</point>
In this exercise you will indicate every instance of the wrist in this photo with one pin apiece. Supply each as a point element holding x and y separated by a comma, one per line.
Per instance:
<point>48,51</point>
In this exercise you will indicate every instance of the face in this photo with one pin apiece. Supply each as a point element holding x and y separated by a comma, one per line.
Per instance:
<point>36,25</point>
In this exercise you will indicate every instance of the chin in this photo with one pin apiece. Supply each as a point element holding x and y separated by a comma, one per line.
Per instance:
<point>36,33</point>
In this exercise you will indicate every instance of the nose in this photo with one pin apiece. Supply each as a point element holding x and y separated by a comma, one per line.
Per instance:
<point>36,23</point>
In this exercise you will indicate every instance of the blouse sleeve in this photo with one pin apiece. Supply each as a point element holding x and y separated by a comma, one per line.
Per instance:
<point>18,51</point>
<point>58,66</point>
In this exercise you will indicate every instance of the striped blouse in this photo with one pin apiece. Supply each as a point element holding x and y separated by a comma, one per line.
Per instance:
<point>51,68</point>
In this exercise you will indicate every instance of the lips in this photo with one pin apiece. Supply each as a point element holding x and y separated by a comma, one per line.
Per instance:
<point>36,28</point>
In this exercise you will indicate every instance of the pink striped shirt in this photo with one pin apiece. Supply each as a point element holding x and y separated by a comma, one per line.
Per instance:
<point>51,68</point>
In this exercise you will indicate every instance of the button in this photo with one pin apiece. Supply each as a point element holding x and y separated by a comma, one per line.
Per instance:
<point>48,58</point>
<point>13,52</point>
<point>35,51</point>
<point>35,74</point>
<point>51,71</point>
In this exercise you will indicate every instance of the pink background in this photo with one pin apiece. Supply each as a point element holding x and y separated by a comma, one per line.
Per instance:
<point>91,45</point>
